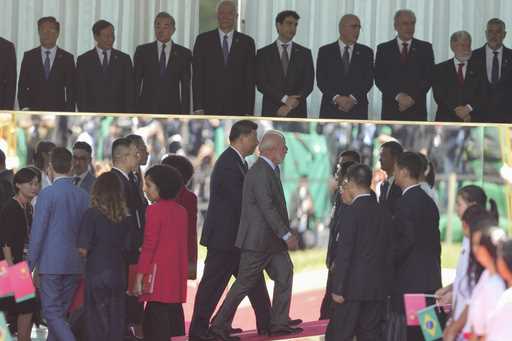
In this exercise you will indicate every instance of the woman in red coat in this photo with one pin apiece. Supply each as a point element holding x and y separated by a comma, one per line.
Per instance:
<point>165,244</point>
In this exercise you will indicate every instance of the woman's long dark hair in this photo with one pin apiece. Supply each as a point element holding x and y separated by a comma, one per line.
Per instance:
<point>475,195</point>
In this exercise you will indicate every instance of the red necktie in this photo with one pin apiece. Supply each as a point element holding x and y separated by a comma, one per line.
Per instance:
<point>460,75</point>
<point>404,54</point>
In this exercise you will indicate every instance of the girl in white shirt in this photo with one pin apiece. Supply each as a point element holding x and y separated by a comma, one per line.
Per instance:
<point>490,286</point>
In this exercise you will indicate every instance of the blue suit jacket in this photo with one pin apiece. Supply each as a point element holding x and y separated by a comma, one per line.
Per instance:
<point>54,234</point>
<point>87,183</point>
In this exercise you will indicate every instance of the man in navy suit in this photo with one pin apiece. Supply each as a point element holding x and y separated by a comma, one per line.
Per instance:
<point>47,74</point>
<point>7,74</point>
<point>344,73</point>
<point>82,157</point>
<point>105,75</point>
<point>285,71</point>
<point>162,72</point>
<point>223,67</point>
<point>403,72</point>
<point>53,248</point>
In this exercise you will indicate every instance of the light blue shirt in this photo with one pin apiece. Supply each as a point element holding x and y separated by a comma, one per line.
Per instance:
<point>100,54</point>
<point>53,53</point>
<point>230,38</point>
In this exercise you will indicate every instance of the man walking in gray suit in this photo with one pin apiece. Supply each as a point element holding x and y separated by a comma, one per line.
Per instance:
<point>264,237</point>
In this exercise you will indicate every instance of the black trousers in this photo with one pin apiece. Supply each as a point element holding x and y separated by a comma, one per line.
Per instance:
<point>104,312</point>
<point>161,320</point>
<point>362,319</point>
<point>219,267</point>
<point>328,305</point>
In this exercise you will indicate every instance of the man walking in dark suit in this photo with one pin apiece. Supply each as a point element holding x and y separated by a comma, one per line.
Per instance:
<point>223,65</point>
<point>285,72</point>
<point>264,237</point>
<point>47,74</point>
<point>8,74</point>
<point>495,63</point>
<point>82,158</point>
<point>344,73</point>
<point>403,72</point>
<point>417,251</point>
<point>162,72</point>
<point>389,191</point>
<point>363,261</point>
<point>458,84</point>
<point>105,75</point>
<point>220,230</point>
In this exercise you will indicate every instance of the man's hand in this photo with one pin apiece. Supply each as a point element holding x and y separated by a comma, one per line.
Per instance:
<point>199,112</point>
<point>292,242</point>
<point>463,112</point>
<point>283,111</point>
<point>345,103</point>
<point>293,101</point>
<point>404,102</point>
<point>338,298</point>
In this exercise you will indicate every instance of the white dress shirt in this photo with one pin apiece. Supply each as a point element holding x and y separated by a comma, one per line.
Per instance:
<point>350,52</point>
<point>168,48</point>
<point>408,188</point>
<point>456,63</point>
<point>230,38</point>
<point>489,56</point>
<point>53,53</point>
<point>400,44</point>
<point>100,54</point>
<point>280,48</point>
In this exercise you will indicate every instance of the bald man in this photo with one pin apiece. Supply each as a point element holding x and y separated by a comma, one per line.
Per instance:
<point>344,73</point>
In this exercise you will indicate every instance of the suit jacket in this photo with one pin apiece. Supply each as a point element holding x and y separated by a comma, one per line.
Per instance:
<point>225,204</point>
<point>364,256</point>
<point>165,244</point>
<point>57,93</point>
<point>336,215</point>
<point>413,78</point>
<point>112,91</point>
<point>389,203</point>
<point>55,227</point>
<point>87,182</point>
<point>223,89</point>
<point>274,85</point>
<point>497,106</point>
<point>332,80</point>
<point>8,74</point>
<point>417,241</point>
<point>449,94</point>
<point>264,218</point>
<point>169,94</point>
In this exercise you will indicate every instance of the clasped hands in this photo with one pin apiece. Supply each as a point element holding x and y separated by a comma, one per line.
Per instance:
<point>292,102</point>
<point>404,102</point>
<point>344,103</point>
<point>463,112</point>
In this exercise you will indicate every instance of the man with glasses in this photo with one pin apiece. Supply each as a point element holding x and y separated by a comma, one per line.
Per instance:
<point>82,157</point>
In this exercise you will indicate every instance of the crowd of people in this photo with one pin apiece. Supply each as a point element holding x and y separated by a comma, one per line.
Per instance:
<point>219,76</point>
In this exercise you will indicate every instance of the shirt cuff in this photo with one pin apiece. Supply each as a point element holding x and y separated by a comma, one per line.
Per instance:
<point>398,95</point>
<point>287,236</point>
<point>469,107</point>
<point>353,98</point>
<point>334,99</point>
<point>284,99</point>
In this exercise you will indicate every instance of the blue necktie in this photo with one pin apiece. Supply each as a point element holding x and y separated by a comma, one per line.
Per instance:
<point>162,61</point>
<point>225,49</point>
<point>104,65</point>
<point>47,67</point>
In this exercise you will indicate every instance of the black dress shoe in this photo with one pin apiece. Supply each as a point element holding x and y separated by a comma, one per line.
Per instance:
<point>223,334</point>
<point>294,322</point>
<point>285,331</point>
<point>263,332</point>
<point>235,331</point>
<point>206,337</point>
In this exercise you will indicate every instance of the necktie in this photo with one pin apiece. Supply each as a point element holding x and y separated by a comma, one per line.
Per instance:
<point>245,166</point>
<point>47,65</point>
<point>225,49</point>
<point>346,58</point>
<point>495,72</point>
<point>285,59</point>
<point>104,64</point>
<point>404,54</point>
<point>76,180</point>
<point>460,74</point>
<point>162,61</point>
<point>384,191</point>
<point>278,172</point>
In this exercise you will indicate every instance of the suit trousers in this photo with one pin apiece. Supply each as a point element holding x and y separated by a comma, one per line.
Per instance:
<point>280,269</point>
<point>362,319</point>
<point>105,313</point>
<point>160,320</point>
<point>219,266</point>
<point>328,305</point>
<point>57,293</point>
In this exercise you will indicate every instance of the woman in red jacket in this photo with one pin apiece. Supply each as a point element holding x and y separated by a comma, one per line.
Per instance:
<point>164,247</point>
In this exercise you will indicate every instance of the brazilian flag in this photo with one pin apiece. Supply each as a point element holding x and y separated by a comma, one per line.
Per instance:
<point>429,323</point>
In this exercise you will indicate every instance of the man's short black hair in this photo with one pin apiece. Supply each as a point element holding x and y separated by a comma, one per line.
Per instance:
<point>83,146</point>
<point>51,20</point>
<point>360,175</point>
<point>121,142</point>
<point>351,154</point>
<point>243,127</point>
<point>2,158</point>
<point>182,164</point>
<point>165,15</point>
<point>412,162</point>
<point>167,179</point>
<point>61,160</point>
<point>99,26</point>
<point>281,16</point>
<point>394,148</point>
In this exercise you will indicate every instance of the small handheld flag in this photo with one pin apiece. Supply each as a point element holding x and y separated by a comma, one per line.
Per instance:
<point>429,324</point>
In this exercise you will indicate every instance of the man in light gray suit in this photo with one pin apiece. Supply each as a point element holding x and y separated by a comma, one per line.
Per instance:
<point>82,157</point>
<point>264,236</point>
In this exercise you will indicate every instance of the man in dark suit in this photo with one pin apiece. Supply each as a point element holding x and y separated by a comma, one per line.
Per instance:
<point>363,261</point>
<point>6,185</point>
<point>264,237</point>
<point>162,72</point>
<point>82,158</point>
<point>220,230</point>
<point>8,74</point>
<point>389,191</point>
<point>47,74</point>
<point>285,71</point>
<point>403,72</point>
<point>495,62</point>
<point>416,238</point>
<point>344,73</point>
<point>458,84</point>
<point>223,65</point>
<point>105,75</point>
